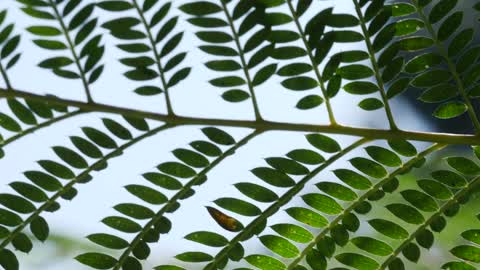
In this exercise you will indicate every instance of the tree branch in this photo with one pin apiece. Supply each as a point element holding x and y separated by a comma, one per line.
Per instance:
<point>260,125</point>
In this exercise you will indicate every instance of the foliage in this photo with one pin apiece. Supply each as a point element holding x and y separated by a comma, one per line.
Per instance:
<point>364,219</point>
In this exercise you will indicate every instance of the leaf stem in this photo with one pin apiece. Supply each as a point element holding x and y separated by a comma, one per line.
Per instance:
<point>241,54</point>
<point>263,124</point>
<point>284,199</point>
<point>72,50</point>
<point>157,57</point>
<point>458,196</point>
<point>76,180</point>
<point>451,66</point>
<point>405,167</point>
<point>39,126</point>
<point>179,195</point>
<point>312,61</point>
<point>374,62</point>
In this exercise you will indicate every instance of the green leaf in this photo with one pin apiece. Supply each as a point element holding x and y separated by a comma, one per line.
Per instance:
<point>449,178</point>
<point>264,74</point>
<point>371,104</point>
<point>235,95</point>
<point>56,169</point>
<point>122,224</point>
<point>293,232</point>
<point>39,228</point>
<point>238,206</point>
<point>44,31</point>
<point>141,74</point>
<point>147,194</point>
<point>372,246</point>
<point>464,165</point>
<point>265,262</point>
<point>353,179</point>
<point>177,169</point>
<point>55,62</point>
<point>384,156</point>
<point>369,167</point>
<point>308,217</point>
<point>441,9</point>
<point>468,253</point>
<point>323,203</point>
<point>323,143</point>
<point>256,192</point>
<point>134,210</point>
<point>208,238</point>
<point>17,203</point>
<point>108,241</point>
<point>294,69</point>
<point>223,65</point>
<point>97,260</point>
<point>300,83</point>
<point>8,260</point>
<point>413,44</point>
<point>200,8</point>
<point>306,156</point>
<point>406,213</point>
<point>420,200</point>
<point>337,191</point>
<point>403,147</point>
<point>287,166</point>
<point>472,236</point>
<point>50,44</point>
<point>191,158</point>
<point>361,88</point>
<point>163,181</point>
<point>435,189</point>
<point>29,191</point>
<point>355,72</point>
<point>86,147</point>
<point>388,228</point>
<point>70,157</point>
<point>218,136</point>
<point>273,177</point>
<point>309,102</point>
<point>8,218</point>
<point>206,148</point>
<point>357,261</point>
<point>22,112</point>
<point>115,5</point>
<point>99,138</point>
<point>279,245</point>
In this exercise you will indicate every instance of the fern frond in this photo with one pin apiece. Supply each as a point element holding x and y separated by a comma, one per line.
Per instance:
<point>48,181</point>
<point>157,222</point>
<point>81,26</point>
<point>24,113</point>
<point>379,77</point>
<point>122,28</point>
<point>275,177</point>
<point>252,19</point>
<point>385,183</point>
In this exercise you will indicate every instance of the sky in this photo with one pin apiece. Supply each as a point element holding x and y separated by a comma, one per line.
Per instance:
<point>192,97</point>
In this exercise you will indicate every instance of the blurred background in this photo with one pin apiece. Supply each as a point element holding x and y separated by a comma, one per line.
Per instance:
<point>192,97</point>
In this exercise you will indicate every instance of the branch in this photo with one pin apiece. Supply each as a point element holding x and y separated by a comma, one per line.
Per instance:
<point>260,125</point>
<point>285,198</point>
<point>40,126</point>
<point>82,176</point>
<point>375,66</point>
<point>241,54</point>
<point>451,66</point>
<point>404,168</point>
<point>312,61</point>
<point>179,195</point>
<point>458,196</point>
